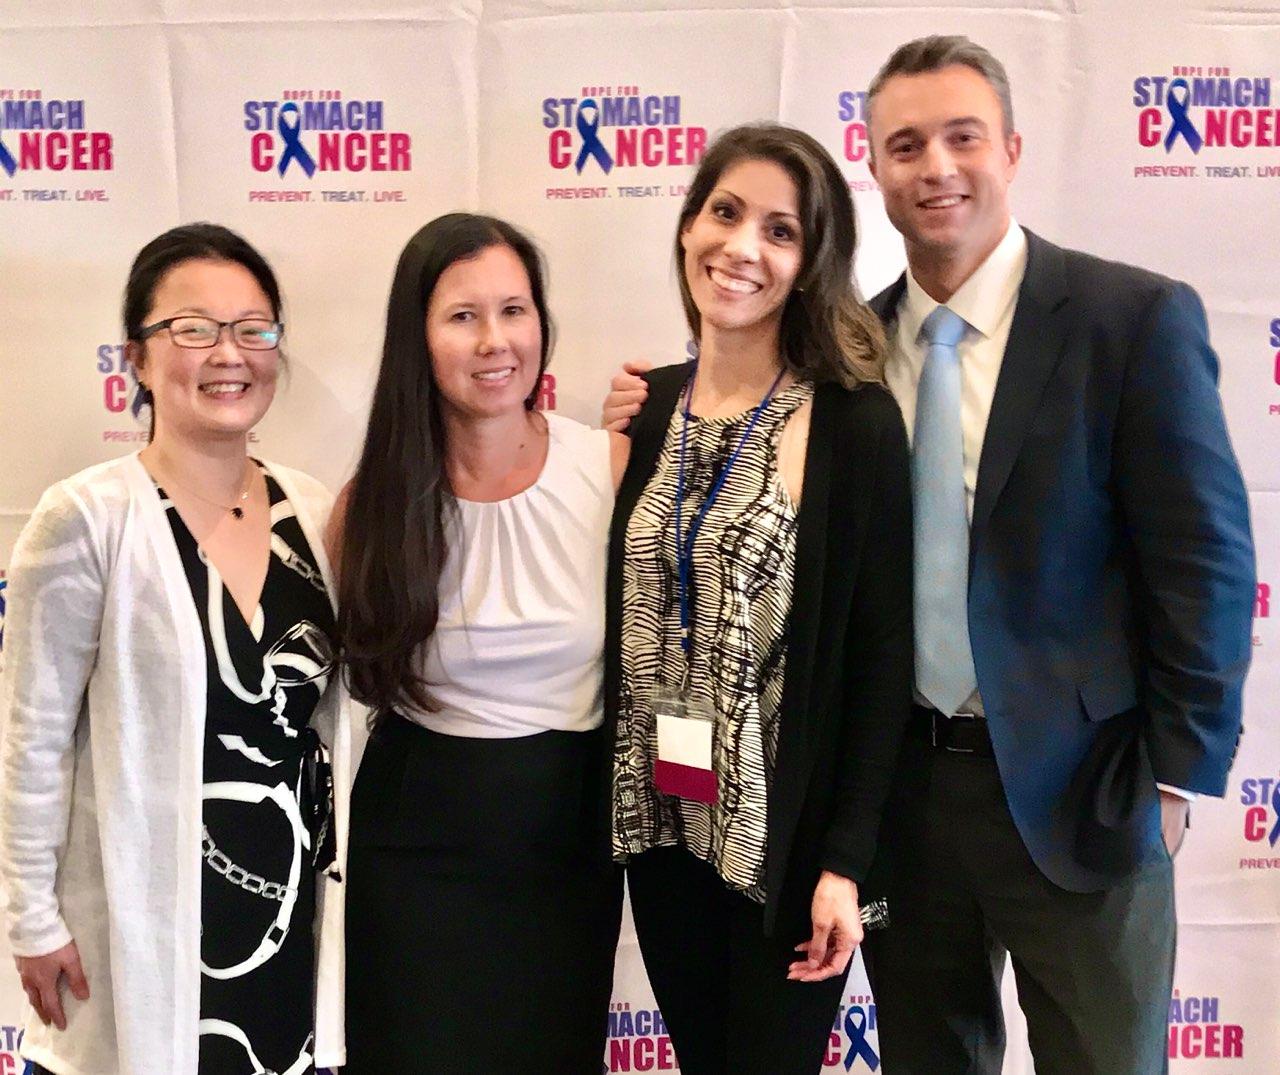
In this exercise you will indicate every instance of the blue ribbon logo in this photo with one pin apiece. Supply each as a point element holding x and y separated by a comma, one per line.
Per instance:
<point>1181,123</point>
<point>589,129</point>
<point>859,1047</point>
<point>294,150</point>
<point>3,584</point>
<point>1274,837</point>
<point>141,397</point>
<point>6,159</point>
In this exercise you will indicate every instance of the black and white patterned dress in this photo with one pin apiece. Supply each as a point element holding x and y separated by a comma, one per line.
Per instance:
<point>743,572</point>
<point>266,803</point>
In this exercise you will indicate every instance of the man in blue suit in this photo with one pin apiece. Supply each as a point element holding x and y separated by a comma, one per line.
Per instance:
<point>1084,588</point>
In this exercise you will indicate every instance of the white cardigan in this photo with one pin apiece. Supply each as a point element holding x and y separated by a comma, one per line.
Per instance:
<point>100,807</point>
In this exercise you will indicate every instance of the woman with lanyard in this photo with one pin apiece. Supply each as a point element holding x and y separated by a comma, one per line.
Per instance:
<point>759,616</point>
<point>168,833</point>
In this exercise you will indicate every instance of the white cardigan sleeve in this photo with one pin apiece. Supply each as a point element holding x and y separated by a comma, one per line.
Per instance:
<point>56,586</point>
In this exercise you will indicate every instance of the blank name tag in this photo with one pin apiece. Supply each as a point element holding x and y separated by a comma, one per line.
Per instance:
<point>683,765</point>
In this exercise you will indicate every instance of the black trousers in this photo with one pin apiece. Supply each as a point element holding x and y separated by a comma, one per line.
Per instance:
<point>720,982</point>
<point>1094,971</point>
<point>481,924</point>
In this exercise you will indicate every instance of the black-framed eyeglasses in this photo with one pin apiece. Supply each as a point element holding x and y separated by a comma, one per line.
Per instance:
<point>303,654</point>
<point>251,333</point>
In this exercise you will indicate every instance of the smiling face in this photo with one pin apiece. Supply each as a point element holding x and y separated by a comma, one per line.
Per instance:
<point>944,164</point>
<point>484,334</point>
<point>221,391</point>
<point>743,250</point>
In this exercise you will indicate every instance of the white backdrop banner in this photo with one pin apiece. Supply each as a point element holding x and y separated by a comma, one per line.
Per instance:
<point>328,136</point>
<point>592,126</point>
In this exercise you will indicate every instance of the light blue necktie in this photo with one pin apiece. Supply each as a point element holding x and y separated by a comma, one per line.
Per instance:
<point>944,659</point>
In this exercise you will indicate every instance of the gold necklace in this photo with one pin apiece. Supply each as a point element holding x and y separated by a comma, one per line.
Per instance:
<point>235,508</point>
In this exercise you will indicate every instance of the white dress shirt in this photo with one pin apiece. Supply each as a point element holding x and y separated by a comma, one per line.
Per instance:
<point>986,301</point>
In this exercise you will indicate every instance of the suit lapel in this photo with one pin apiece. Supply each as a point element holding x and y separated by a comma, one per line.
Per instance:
<point>1035,344</point>
<point>885,304</point>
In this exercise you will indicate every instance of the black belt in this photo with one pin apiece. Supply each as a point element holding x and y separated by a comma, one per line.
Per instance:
<point>962,734</point>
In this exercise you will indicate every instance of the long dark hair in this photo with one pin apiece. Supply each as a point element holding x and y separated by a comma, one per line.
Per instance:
<point>393,535</point>
<point>188,242</point>
<point>828,333</point>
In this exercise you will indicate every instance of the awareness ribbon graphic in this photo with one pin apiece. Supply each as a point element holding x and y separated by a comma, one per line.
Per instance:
<point>3,584</point>
<point>1181,121</point>
<point>591,144</point>
<point>6,158</point>
<point>858,1044</point>
<point>140,395</point>
<point>294,150</point>
<point>1275,799</point>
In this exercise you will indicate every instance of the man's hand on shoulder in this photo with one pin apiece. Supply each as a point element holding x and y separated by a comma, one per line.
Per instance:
<point>627,393</point>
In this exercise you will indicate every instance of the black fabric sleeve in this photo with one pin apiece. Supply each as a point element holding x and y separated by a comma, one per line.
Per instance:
<point>878,666</point>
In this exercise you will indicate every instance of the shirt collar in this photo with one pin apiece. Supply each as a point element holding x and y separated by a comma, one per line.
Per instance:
<point>984,298</point>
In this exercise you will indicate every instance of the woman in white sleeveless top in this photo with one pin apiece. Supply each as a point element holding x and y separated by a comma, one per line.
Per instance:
<point>471,561</point>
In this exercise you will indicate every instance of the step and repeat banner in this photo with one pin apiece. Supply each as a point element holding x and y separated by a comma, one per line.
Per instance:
<point>328,135</point>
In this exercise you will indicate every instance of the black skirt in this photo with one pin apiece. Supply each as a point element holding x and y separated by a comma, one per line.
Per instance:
<point>481,921</point>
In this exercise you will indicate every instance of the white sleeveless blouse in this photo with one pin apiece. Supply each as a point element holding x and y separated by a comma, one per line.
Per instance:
<point>519,646</point>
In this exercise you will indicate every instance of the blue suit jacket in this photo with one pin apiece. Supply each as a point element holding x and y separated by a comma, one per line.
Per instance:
<point>1111,567</point>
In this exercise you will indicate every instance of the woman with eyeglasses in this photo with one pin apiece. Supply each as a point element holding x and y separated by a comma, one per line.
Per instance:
<point>166,803</point>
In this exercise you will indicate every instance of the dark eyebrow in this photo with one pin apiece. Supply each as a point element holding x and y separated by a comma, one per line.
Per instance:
<point>200,311</point>
<point>958,121</point>
<point>786,213</point>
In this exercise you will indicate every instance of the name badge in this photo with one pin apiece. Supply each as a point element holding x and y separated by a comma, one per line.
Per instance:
<point>683,765</point>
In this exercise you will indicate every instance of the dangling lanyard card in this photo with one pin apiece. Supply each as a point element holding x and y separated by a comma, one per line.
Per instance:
<point>686,724</point>
<point>683,765</point>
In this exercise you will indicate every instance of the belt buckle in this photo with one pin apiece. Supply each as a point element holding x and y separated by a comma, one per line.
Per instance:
<point>947,746</point>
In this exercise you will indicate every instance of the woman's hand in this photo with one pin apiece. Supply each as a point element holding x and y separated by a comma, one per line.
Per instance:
<point>837,931</point>
<point>40,975</point>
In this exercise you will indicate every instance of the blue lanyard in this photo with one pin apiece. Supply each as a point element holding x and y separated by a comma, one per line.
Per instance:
<point>684,546</point>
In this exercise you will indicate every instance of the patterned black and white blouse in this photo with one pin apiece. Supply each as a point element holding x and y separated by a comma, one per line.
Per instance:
<point>266,803</point>
<point>743,572</point>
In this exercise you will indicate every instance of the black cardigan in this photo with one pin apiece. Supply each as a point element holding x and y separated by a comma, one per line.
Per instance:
<point>847,693</point>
